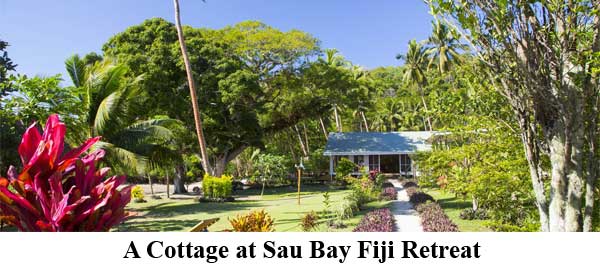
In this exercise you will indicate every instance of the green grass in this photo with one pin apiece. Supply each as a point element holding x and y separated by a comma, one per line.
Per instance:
<point>280,203</point>
<point>453,206</point>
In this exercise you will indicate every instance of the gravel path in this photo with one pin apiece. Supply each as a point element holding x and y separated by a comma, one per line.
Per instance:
<point>407,219</point>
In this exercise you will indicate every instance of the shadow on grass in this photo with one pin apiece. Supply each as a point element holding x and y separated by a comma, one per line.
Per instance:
<point>170,209</point>
<point>285,190</point>
<point>454,203</point>
<point>156,225</point>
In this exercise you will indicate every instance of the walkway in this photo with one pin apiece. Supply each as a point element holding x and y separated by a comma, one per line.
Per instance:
<point>407,219</point>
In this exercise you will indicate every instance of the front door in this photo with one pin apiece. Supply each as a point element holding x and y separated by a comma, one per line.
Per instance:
<point>389,164</point>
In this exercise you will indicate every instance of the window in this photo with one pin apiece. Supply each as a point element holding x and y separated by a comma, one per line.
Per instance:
<point>405,164</point>
<point>373,162</point>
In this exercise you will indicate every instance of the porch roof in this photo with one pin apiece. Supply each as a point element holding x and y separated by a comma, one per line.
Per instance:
<point>377,143</point>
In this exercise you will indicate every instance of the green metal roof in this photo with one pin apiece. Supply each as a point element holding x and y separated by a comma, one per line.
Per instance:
<point>373,143</point>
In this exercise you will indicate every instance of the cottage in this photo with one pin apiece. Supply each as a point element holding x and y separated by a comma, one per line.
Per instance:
<point>387,152</point>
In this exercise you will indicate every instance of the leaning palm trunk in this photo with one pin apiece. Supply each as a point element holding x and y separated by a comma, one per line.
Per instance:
<point>323,128</point>
<point>426,112</point>
<point>362,114</point>
<point>306,139</point>
<point>300,141</point>
<point>338,120</point>
<point>188,70</point>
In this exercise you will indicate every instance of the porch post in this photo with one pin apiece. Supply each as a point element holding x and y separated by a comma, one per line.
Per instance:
<point>400,165</point>
<point>366,161</point>
<point>331,167</point>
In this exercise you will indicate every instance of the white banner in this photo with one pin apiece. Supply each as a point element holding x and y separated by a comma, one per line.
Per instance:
<point>298,248</point>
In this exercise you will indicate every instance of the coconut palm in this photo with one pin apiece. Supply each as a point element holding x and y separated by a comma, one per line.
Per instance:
<point>415,63</point>
<point>109,99</point>
<point>444,47</point>
<point>192,86</point>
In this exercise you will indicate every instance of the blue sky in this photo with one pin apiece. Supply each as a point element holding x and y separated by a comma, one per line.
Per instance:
<point>43,33</point>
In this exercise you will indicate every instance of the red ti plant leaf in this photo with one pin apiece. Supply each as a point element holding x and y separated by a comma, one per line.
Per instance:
<point>61,192</point>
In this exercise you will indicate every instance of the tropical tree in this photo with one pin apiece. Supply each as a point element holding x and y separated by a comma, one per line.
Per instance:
<point>415,64</point>
<point>256,80</point>
<point>444,47</point>
<point>537,56</point>
<point>6,66</point>
<point>109,105</point>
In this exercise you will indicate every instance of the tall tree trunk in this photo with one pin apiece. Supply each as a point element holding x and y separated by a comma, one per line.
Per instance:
<point>338,120</point>
<point>591,86</point>
<point>306,139</point>
<point>575,185</point>
<point>150,183</point>
<point>178,183</point>
<point>168,185</point>
<point>192,86</point>
<point>589,190</point>
<point>362,114</point>
<point>323,128</point>
<point>220,165</point>
<point>291,146</point>
<point>427,112</point>
<point>533,155</point>
<point>222,159</point>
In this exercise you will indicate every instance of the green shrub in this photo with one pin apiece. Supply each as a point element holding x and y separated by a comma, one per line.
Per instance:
<point>347,209</point>
<point>380,179</point>
<point>363,190</point>
<point>217,187</point>
<point>137,193</point>
<point>344,168</point>
<point>470,214</point>
<point>326,204</point>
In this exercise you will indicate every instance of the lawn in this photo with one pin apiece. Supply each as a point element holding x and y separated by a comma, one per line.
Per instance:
<point>182,214</point>
<point>453,206</point>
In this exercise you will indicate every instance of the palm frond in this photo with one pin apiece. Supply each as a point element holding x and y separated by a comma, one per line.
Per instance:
<point>76,69</point>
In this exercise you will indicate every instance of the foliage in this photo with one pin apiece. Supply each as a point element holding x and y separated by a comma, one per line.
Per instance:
<point>255,221</point>
<point>363,190</point>
<point>137,192</point>
<point>29,100</point>
<point>433,218</point>
<point>487,167</point>
<point>309,221</point>
<point>556,107</point>
<point>380,220</point>
<point>344,168</point>
<point>347,209</point>
<point>217,187</point>
<point>269,167</point>
<point>444,47</point>
<point>326,204</point>
<point>110,104</point>
<point>193,167</point>
<point>256,80</point>
<point>389,194</point>
<point>61,192</point>
<point>470,214</point>
<point>6,65</point>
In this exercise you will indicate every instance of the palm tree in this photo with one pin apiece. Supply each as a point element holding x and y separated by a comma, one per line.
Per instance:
<point>108,100</point>
<point>414,74</point>
<point>192,86</point>
<point>444,47</point>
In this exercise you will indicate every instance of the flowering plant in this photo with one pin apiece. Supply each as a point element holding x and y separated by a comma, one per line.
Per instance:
<point>59,191</point>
